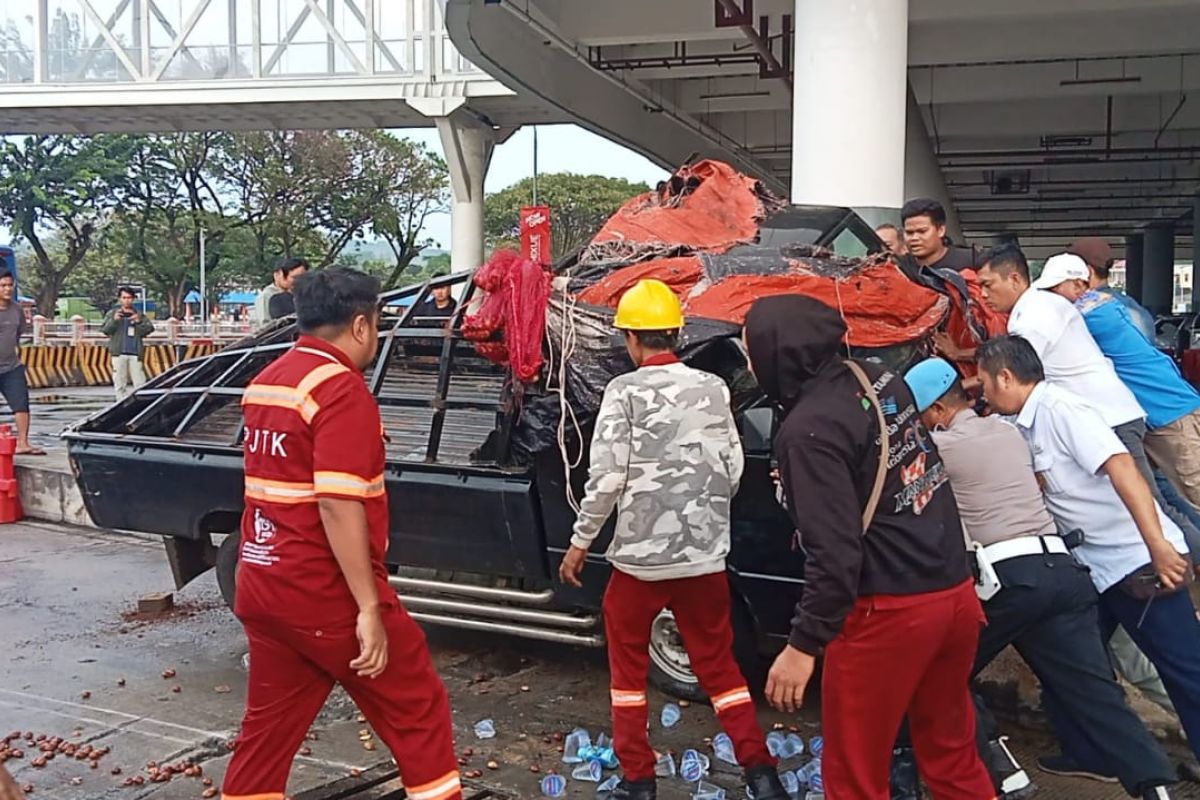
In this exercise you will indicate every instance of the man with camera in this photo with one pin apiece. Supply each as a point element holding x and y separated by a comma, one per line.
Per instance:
<point>125,328</point>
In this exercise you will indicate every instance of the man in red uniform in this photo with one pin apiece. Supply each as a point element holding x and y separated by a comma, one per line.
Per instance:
<point>312,588</point>
<point>888,596</point>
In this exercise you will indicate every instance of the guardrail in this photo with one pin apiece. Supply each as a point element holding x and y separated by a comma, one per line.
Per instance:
<point>77,330</point>
<point>90,364</point>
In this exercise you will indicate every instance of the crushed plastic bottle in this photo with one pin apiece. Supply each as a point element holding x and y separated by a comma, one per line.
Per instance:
<point>775,741</point>
<point>671,714</point>
<point>693,766</point>
<point>554,786</point>
<point>591,771</point>
<point>723,748</point>
<point>805,773</point>
<point>816,745</point>
<point>573,746</point>
<point>815,782</point>
<point>791,746</point>
<point>608,786</point>
<point>665,766</point>
<point>605,755</point>
<point>485,729</point>
<point>791,784</point>
<point>706,791</point>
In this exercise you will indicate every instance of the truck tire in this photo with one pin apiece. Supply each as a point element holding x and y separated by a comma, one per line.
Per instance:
<point>670,668</point>
<point>227,564</point>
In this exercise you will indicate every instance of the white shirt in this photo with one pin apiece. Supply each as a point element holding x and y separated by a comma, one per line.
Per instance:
<point>1070,443</point>
<point>1070,356</point>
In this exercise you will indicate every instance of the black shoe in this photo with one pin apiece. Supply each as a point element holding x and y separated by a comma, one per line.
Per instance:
<point>1014,781</point>
<point>1065,766</point>
<point>904,775</point>
<point>1156,793</point>
<point>762,783</point>
<point>636,790</point>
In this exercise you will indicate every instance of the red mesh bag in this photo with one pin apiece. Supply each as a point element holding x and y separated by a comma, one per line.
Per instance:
<point>515,308</point>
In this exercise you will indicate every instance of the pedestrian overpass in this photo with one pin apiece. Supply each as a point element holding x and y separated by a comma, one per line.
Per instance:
<point>113,66</point>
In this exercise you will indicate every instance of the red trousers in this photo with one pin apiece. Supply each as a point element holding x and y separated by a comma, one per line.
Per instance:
<point>701,606</point>
<point>293,670</point>
<point>904,654</point>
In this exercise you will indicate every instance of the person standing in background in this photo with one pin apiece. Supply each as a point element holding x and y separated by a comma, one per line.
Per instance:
<point>892,238</point>
<point>125,328</point>
<point>13,383</point>
<point>282,304</point>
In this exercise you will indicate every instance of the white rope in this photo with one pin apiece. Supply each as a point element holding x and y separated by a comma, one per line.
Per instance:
<point>567,344</point>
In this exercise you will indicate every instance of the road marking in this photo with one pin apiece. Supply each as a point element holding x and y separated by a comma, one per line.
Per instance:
<point>107,727</point>
<point>113,712</point>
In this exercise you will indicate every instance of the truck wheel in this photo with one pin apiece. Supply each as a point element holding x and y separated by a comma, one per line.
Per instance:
<point>671,668</point>
<point>227,564</point>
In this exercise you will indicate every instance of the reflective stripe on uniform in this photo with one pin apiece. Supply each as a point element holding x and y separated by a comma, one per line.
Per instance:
<point>279,491</point>
<point>446,786</point>
<point>622,698</point>
<point>731,698</point>
<point>297,398</point>
<point>348,484</point>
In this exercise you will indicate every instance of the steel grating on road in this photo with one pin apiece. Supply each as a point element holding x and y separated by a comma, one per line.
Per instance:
<point>383,783</point>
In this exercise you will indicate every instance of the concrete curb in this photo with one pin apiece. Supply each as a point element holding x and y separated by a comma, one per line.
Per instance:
<point>49,492</point>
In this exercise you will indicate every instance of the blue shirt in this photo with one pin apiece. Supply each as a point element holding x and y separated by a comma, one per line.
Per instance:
<point>1142,318</point>
<point>1153,378</point>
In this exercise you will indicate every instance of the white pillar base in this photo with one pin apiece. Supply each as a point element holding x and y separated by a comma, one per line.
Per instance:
<point>468,148</point>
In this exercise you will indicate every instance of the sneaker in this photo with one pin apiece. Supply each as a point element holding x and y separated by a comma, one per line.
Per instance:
<point>1014,781</point>
<point>762,783</point>
<point>1156,793</point>
<point>1065,766</point>
<point>635,790</point>
<point>903,780</point>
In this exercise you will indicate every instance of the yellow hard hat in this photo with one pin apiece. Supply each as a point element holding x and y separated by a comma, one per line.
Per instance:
<point>649,305</point>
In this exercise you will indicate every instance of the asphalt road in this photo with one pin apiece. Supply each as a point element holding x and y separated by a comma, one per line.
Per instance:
<point>77,664</point>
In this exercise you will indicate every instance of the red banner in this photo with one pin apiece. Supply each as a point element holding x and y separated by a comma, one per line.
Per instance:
<point>535,234</point>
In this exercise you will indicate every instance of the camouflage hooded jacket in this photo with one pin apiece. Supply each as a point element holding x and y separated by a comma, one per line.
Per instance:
<point>666,454</point>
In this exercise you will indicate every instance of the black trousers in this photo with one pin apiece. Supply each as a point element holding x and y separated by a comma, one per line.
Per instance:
<point>1048,610</point>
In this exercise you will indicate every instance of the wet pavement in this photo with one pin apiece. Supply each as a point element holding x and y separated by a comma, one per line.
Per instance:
<point>78,664</point>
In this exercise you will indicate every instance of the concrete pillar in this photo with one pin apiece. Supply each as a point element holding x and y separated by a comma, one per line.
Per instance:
<point>1196,252</point>
<point>1158,287</point>
<point>849,105</point>
<point>922,173</point>
<point>1135,248</point>
<point>468,148</point>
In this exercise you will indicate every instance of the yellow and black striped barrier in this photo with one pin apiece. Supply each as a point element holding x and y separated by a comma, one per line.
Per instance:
<point>90,364</point>
<point>158,358</point>
<point>95,364</point>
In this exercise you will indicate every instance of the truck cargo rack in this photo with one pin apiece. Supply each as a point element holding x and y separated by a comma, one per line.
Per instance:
<point>438,406</point>
<point>383,783</point>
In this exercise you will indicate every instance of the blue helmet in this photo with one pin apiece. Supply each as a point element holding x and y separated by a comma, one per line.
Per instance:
<point>929,380</point>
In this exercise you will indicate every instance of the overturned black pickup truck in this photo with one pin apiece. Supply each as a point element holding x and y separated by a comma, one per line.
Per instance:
<point>478,465</point>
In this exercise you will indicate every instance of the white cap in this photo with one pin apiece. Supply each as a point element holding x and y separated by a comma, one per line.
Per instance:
<point>1061,268</point>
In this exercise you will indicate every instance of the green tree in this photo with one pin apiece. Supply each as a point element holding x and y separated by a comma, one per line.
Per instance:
<point>60,187</point>
<point>418,188</point>
<point>579,206</point>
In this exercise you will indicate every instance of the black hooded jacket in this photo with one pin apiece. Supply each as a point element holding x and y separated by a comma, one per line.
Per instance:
<point>828,453</point>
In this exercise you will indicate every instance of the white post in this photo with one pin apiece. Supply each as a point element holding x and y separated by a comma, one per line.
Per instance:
<point>849,103</point>
<point>468,150</point>
<point>203,296</point>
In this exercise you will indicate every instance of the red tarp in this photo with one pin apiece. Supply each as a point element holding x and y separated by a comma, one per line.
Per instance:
<point>880,305</point>
<point>708,206</point>
<point>515,306</point>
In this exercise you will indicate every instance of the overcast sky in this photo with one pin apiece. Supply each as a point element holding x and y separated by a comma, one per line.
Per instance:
<point>561,148</point>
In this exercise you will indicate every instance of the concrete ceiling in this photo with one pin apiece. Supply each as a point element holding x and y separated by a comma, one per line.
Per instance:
<point>1047,117</point>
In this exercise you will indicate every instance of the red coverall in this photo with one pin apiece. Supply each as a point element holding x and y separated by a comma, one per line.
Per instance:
<point>313,430</point>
